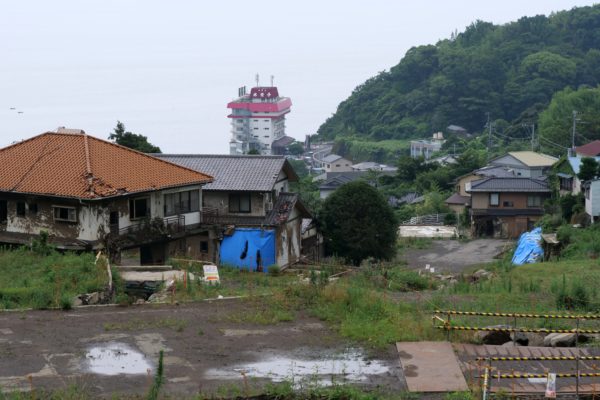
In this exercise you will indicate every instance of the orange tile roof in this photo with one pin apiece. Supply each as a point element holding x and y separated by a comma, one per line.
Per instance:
<point>85,167</point>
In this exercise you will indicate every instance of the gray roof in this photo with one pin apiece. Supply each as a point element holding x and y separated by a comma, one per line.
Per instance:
<point>519,185</point>
<point>498,171</point>
<point>331,158</point>
<point>249,173</point>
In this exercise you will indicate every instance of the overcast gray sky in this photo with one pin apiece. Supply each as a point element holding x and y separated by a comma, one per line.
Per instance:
<point>168,68</point>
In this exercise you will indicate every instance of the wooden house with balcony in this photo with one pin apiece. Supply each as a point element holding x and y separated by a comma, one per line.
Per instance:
<point>91,194</point>
<point>257,220</point>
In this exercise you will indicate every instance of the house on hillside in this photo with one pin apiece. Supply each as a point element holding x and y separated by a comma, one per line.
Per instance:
<point>506,207</point>
<point>567,169</point>
<point>335,163</point>
<point>91,194</point>
<point>249,203</point>
<point>527,164</point>
<point>461,199</point>
<point>592,149</point>
<point>372,166</point>
<point>427,147</point>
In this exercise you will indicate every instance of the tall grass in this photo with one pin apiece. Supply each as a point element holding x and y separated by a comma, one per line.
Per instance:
<point>30,280</point>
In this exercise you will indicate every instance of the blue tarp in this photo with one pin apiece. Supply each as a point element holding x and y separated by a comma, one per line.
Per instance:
<point>249,248</point>
<point>529,249</point>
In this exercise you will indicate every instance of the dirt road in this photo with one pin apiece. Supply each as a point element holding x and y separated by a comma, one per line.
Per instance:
<point>453,255</point>
<point>114,350</point>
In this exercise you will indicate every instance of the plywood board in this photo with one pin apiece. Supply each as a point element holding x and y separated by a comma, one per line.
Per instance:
<point>431,367</point>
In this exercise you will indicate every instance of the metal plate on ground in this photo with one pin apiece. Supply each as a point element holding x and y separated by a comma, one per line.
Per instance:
<point>467,354</point>
<point>431,367</point>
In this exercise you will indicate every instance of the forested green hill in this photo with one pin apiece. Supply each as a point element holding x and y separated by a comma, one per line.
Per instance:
<point>510,71</point>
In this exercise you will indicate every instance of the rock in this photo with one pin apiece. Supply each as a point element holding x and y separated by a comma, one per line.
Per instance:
<point>93,298</point>
<point>511,344</point>
<point>560,340</point>
<point>529,339</point>
<point>494,337</point>
<point>140,301</point>
<point>520,337</point>
<point>76,302</point>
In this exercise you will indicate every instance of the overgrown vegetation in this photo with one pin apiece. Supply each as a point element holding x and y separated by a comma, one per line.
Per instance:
<point>510,71</point>
<point>44,278</point>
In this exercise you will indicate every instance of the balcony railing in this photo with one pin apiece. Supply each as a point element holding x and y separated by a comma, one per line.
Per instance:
<point>153,227</point>
<point>212,215</point>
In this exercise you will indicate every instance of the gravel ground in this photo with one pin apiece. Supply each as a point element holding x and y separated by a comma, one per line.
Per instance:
<point>454,256</point>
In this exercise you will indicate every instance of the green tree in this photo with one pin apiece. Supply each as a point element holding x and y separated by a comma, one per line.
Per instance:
<point>588,169</point>
<point>296,148</point>
<point>132,140</point>
<point>253,152</point>
<point>555,122</point>
<point>358,223</point>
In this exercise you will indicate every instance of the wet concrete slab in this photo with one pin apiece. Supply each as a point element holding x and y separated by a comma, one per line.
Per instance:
<point>431,367</point>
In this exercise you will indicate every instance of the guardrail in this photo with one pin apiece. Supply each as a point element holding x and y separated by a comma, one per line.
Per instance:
<point>488,376</point>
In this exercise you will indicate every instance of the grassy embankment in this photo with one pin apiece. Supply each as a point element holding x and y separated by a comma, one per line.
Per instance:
<point>32,280</point>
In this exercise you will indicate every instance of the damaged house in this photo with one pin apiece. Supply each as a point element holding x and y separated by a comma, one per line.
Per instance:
<point>506,207</point>
<point>90,194</point>
<point>257,220</point>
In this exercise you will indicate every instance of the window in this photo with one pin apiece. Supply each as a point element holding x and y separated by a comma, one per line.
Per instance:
<point>139,208</point>
<point>20,209</point>
<point>566,183</point>
<point>508,204</point>
<point>266,129</point>
<point>239,202</point>
<point>68,214</point>
<point>203,246</point>
<point>256,128</point>
<point>33,208</point>
<point>182,202</point>
<point>494,199</point>
<point>534,201</point>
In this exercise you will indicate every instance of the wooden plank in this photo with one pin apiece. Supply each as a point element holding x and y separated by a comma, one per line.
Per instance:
<point>431,367</point>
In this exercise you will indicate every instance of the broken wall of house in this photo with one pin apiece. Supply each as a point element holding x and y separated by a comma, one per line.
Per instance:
<point>289,240</point>
<point>249,248</point>
<point>220,201</point>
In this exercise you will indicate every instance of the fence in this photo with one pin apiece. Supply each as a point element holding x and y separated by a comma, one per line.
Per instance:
<point>488,376</point>
<point>431,219</point>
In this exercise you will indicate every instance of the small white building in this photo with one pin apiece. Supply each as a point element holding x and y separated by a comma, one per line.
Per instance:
<point>426,147</point>
<point>592,198</point>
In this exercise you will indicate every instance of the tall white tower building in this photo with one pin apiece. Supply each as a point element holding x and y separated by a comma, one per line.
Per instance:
<point>257,119</point>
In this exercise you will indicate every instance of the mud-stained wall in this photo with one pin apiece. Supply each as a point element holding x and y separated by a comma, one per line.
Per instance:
<point>289,240</point>
<point>92,217</point>
<point>42,220</point>
<point>203,247</point>
<point>220,201</point>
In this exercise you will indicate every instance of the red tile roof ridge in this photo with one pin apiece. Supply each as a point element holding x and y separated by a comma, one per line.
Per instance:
<point>209,178</point>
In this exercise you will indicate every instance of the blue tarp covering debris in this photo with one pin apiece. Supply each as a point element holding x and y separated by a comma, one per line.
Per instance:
<point>249,248</point>
<point>529,249</point>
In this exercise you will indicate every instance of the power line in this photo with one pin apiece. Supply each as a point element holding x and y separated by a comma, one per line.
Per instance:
<point>553,143</point>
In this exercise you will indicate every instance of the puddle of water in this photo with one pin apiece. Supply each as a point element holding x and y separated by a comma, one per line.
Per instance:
<point>348,367</point>
<point>115,358</point>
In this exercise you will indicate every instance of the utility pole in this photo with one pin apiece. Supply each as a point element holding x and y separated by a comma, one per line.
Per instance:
<point>489,143</point>
<point>532,137</point>
<point>574,130</point>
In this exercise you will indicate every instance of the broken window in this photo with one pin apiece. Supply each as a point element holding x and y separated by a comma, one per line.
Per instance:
<point>68,214</point>
<point>239,203</point>
<point>139,208</point>
<point>203,246</point>
<point>182,202</point>
<point>20,209</point>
